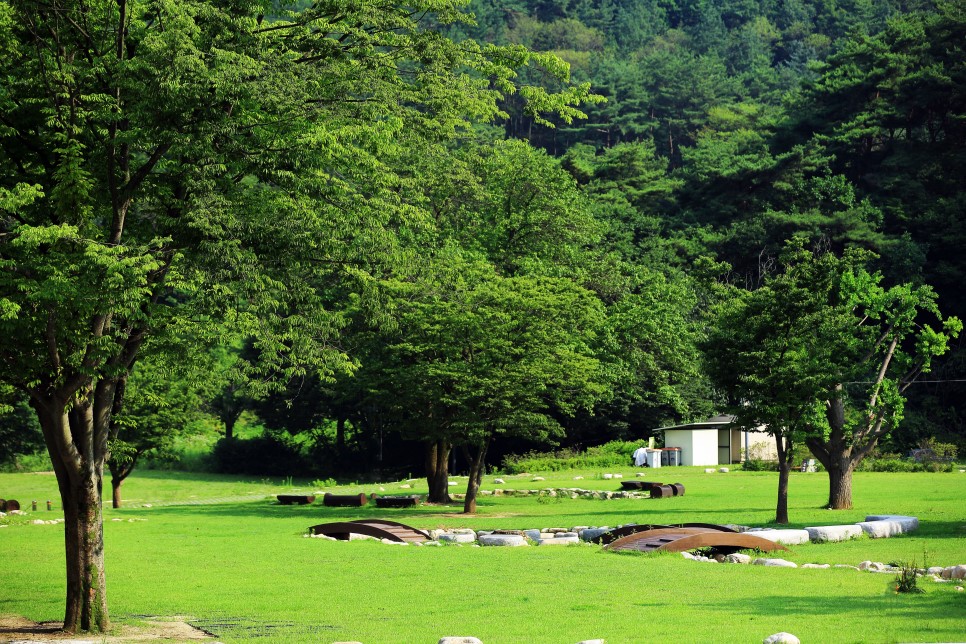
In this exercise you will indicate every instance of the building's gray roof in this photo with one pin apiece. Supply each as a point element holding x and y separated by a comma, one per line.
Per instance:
<point>711,423</point>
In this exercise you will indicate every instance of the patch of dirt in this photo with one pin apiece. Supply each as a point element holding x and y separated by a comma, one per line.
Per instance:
<point>14,628</point>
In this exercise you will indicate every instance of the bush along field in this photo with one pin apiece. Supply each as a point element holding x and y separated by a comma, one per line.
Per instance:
<point>221,554</point>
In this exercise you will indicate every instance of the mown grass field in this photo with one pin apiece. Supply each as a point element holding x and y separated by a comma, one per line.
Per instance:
<point>221,553</point>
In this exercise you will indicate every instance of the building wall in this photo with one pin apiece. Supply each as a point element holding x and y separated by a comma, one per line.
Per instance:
<point>680,438</point>
<point>698,446</point>
<point>761,445</point>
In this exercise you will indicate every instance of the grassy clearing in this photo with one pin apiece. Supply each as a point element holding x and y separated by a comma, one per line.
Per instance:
<point>217,550</point>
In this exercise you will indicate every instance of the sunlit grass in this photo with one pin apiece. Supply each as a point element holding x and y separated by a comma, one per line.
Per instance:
<point>243,569</point>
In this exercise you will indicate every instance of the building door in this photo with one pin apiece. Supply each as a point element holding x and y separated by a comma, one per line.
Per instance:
<point>724,446</point>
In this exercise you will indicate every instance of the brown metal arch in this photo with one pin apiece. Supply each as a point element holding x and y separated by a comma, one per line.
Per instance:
<point>623,531</point>
<point>681,539</point>
<point>377,528</point>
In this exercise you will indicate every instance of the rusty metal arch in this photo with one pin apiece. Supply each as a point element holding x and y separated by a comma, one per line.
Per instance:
<point>679,539</point>
<point>377,528</point>
<point>623,531</point>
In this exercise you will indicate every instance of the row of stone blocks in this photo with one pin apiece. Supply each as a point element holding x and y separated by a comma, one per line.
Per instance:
<point>877,526</point>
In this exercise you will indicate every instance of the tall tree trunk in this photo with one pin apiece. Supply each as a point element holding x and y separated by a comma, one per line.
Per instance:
<point>785,454</point>
<point>340,435</point>
<point>120,472</point>
<point>476,461</point>
<point>77,453</point>
<point>229,421</point>
<point>116,492</point>
<point>437,471</point>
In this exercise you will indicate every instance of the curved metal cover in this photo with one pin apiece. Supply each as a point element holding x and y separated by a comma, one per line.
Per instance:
<point>380,529</point>
<point>681,539</point>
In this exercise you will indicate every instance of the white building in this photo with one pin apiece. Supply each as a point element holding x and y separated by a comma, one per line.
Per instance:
<point>716,441</point>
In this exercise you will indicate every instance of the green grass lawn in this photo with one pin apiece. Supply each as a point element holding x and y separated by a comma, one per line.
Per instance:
<point>219,552</point>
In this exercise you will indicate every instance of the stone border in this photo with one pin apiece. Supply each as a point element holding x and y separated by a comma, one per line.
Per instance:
<point>874,525</point>
<point>938,573</point>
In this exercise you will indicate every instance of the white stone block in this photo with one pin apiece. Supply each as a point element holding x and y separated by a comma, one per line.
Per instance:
<point>834,533</point>
<point>723,470</point>
<point>608,476</point>
<point>459,640</point>
<point>499,481</point>
<point>710,470</point>
<point>513,540</point>
<point>558,541</point>
<point>816,566</point>
<point>880,526</point>
<point>456,537</point>
<point>591,642</point>
<point>784,537</point>
<point>775,563</point>
<point>954,572</point>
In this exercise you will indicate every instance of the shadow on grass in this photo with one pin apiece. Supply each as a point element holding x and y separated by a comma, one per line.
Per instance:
<point>922,609</point>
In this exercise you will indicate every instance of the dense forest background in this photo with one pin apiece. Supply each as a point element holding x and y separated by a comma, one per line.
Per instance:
<point>556,293</point>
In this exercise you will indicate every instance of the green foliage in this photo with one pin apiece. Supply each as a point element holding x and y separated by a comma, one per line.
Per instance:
<point>907,581</point>
<point>614,454</point>
<point>271,454</point>
<point>20,433</point>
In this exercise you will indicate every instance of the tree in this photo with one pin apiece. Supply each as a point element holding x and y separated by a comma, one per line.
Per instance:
<point>822,352</point>
<point>476,355</point>
<point>203,162</point>
<point>162,403</point>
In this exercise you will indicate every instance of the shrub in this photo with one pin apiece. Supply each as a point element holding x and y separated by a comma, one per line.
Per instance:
<point>759,465</point>
<point>268,454</point>
<point>612,454</point>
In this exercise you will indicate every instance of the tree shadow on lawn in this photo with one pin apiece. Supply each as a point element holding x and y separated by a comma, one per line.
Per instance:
<point>918,609</point>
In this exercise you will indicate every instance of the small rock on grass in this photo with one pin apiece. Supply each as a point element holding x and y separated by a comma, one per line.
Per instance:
<point>781,638</point>
<point>459,640</point>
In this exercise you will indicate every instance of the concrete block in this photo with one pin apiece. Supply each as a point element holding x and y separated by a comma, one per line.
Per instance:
<point>784,537</point>
<point>834,533</point>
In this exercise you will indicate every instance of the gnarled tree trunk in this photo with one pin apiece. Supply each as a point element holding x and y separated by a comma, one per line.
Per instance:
<point>839,461</point>
<point>77,443</point>
<point>841,452</point>
<point>437,471</point>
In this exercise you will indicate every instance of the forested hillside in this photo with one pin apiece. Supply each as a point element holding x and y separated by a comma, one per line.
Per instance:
<point>731,126</point>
